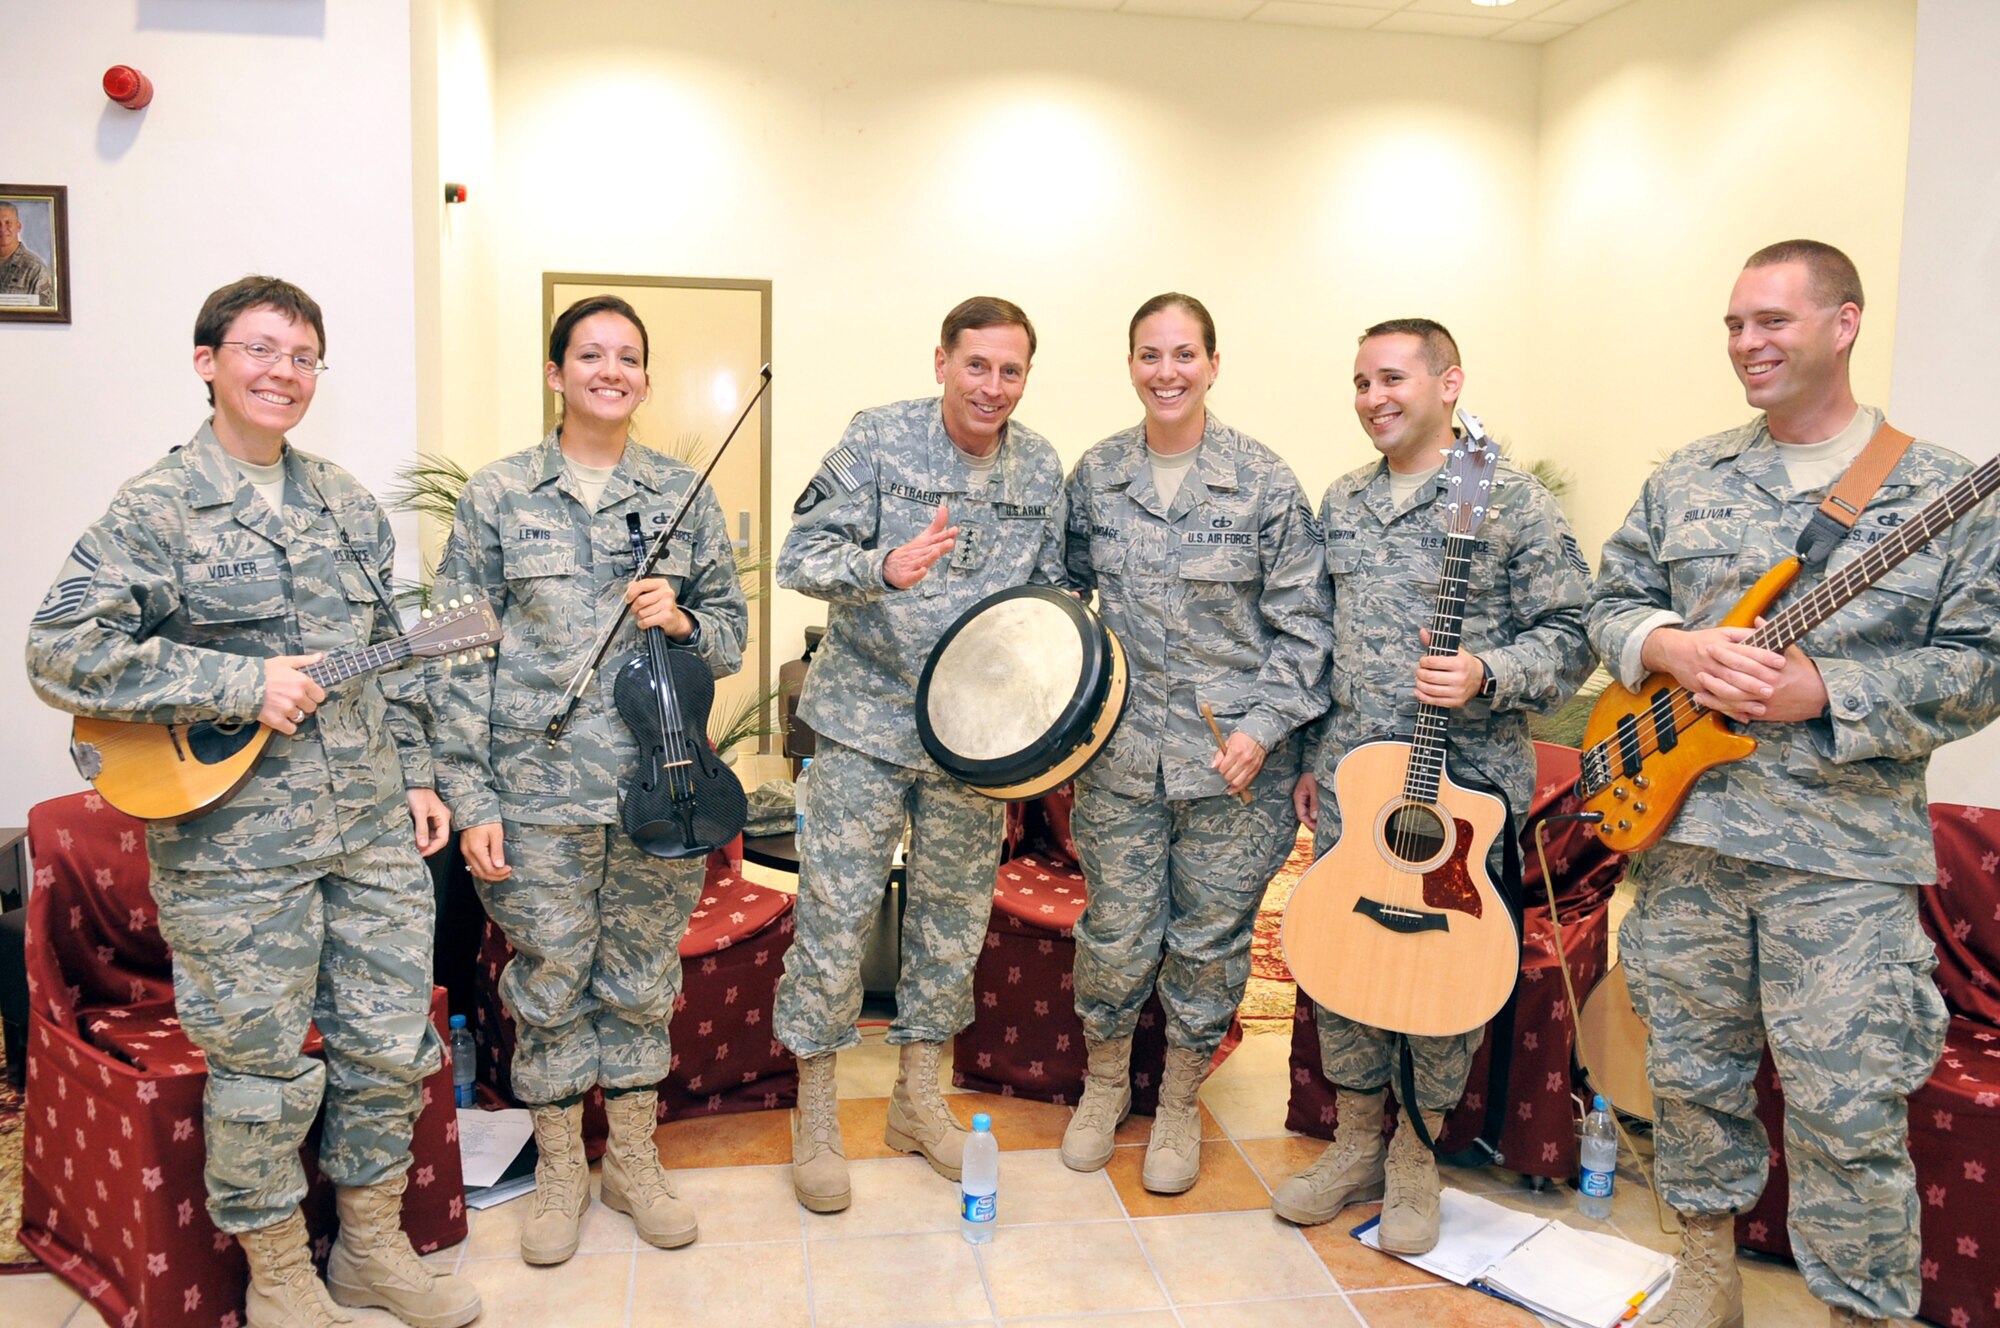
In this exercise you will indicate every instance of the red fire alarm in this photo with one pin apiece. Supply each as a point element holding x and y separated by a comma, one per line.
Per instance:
<point>128,87</point>
<point>454,193</point>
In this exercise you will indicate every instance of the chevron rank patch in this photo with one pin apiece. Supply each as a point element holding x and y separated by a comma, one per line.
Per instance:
<point>66,595</point>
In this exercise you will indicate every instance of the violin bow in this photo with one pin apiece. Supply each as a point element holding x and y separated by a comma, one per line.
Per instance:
<point>574,692</point>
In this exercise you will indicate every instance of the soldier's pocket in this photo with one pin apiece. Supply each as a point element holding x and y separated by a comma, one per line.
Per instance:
<point>238,599</point>
<point>1700,556</point>
<point>1906,1022</point>
<point>241,1100</point>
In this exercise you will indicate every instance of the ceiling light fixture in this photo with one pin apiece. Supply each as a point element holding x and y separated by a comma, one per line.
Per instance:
<point>1492,4</point>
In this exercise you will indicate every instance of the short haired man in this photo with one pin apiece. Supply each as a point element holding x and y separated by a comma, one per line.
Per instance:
<point>1522,650</point>
<point>219,574</point>
<point>1781,905</point>
<point>25,279</point>
<point>925,508</point>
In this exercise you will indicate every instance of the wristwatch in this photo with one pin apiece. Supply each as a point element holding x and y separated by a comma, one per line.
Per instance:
<point>1488,684</point>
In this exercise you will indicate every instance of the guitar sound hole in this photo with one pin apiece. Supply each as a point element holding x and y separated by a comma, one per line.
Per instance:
<point>1414,833</point>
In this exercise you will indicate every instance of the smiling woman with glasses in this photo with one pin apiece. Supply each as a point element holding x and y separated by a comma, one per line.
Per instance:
<point>206,595</point>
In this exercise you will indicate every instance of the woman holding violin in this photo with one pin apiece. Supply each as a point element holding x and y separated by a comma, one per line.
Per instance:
<point>547,536</point>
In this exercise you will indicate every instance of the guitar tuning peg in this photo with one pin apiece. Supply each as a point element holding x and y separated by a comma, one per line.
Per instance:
<point>427,613</point>
<point>452,604</point>
<point>491,652</point>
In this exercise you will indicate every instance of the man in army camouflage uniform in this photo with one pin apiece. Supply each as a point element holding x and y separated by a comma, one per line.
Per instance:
<point>1206,561</point>
<point>595,922</point>
<point>1522,650</point>
<point>925,508</point>
<point>1781,906</point>
<point>217,577</point>
<point>22,271</point>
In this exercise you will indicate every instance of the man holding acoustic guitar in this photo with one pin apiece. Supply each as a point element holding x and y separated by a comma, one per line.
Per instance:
<point>210,590</point>
<point>1522,648</point>
<point>1780,903</point>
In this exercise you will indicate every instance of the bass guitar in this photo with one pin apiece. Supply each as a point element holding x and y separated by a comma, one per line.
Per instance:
<point>1398,925</point>
<point>176,772</point>
<point>1644,749</point>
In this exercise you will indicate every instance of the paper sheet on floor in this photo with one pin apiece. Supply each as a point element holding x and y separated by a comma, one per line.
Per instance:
<point>489,1141</point>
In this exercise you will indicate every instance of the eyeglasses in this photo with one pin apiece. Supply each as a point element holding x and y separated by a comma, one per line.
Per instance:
<point>312,366</point>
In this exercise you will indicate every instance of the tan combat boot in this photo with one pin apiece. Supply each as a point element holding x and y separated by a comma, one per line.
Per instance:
<point>562,1186</point>
<point>1173,1154</point>
<point>1707,1290</point>
<point>1411,1190</point>
<point>632,1180</point>
<point>919,1121</point>
<point>1107,1100</point>
<point>1348,1172</point>
<point>372,1263</point>
<point>819,1167</point>
<point>284,1292</point>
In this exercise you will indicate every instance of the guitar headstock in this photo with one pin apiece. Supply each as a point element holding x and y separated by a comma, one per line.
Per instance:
<point>459,628</point>
<point>1468,477</point>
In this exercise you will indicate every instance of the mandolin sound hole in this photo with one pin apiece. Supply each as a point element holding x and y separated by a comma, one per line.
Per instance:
<point>210,742</point>
<point>1414,833</point>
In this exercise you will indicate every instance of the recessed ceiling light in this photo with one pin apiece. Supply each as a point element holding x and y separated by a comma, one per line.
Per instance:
<point>1492,4</point>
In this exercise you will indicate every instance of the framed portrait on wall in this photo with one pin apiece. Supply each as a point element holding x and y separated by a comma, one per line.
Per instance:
<point>34,253</point>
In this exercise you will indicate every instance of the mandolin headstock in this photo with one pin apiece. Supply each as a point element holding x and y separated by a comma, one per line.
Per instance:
<point>460,628</point>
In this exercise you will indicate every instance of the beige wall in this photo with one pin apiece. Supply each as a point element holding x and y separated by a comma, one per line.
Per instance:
<point>1946,340</point>
<point>880,161</point>
<point>1678,137</point>
<point>1575,212</point>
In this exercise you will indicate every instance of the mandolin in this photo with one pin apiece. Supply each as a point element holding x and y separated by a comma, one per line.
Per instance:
<point>1644,750</point>
<point>176,772</point>
<point>1398,925</point>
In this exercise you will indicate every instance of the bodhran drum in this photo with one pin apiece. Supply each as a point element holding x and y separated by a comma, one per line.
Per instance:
<point>1021,693</point>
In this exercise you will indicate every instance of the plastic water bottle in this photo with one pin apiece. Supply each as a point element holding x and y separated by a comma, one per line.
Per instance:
<point>799,792</point>
<point>979,1186</point>
<point>464,1062</point>
<point>1600,1162</point>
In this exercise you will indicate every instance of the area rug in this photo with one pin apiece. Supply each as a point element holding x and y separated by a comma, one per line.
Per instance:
<point>13,1258</point>
<point>1271,995</point>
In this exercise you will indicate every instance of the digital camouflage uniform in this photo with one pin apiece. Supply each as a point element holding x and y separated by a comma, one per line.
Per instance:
<point>1525,599</point>
<point>24,273</point>
<point>1781,904</point>
<point>303,899</point>
<point>595,922</point>
<point>1220,598</point>
<point>876,491</point>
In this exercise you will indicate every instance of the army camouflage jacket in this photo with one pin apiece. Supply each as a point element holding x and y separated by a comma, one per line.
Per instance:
<point>1219,597</point>
<point>556,574</point>
<point>1911,663</point>
<point>168,607</point>
<point>1526,595</point>
<point>874,492</point>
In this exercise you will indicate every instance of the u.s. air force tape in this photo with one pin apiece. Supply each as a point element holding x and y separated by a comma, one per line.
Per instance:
<point>841,472</point>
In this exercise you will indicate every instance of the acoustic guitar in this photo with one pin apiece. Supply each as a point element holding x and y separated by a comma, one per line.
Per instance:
<point>1612,1041</point>
<point>1644,750</point>
<point>1398,925</point>
<point>176,772</point>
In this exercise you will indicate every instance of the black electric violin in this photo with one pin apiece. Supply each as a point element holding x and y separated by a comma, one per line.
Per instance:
<point>684,803</point>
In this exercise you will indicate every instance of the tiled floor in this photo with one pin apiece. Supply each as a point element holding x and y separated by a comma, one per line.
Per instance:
<point>1073,1251</point>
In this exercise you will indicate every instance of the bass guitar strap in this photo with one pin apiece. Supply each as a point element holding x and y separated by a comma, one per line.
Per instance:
<point>1842,507</point>
<point>1484,1150</point>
